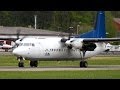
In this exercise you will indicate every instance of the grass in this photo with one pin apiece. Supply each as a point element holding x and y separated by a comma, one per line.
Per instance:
<point>103,74</point>
<point>104,61</point>
<point>9,60</point>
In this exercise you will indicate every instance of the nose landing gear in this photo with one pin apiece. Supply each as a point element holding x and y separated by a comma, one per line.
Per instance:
<point>20,63</point>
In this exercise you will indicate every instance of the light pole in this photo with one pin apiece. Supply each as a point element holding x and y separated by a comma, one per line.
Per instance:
<point>78,28</point>
<point>35,16</point>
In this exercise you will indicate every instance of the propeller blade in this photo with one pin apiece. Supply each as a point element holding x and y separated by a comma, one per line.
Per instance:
<point>18,33</point>
<point>23,38</point>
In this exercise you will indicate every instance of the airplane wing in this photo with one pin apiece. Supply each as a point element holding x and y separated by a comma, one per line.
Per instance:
<point>81,43</point>
<point>86,40</point>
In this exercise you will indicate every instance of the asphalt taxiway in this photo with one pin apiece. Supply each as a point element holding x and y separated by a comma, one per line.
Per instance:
<point>62,68</point>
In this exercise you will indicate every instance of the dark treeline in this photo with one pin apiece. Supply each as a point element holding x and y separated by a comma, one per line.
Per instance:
<point>46,19</point>
<point>56,20</point>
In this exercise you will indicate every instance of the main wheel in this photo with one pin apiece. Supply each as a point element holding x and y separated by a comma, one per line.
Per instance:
<point>83,64</point>
<point>33,63</point>
<point>20,64</point>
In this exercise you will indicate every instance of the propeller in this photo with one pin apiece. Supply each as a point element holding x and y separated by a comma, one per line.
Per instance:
<point>18,36</point>
<point>18,39</point>
<point>18,33</point>
<point>70,31</point>
<point>64,40</point>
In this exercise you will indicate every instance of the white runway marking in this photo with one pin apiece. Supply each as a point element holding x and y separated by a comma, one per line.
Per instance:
<point>58,68</point>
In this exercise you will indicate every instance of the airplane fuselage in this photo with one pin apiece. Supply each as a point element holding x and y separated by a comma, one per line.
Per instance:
<point>46,48</point>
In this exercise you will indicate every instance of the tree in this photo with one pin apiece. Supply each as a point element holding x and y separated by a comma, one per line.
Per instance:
<point>110,28</point>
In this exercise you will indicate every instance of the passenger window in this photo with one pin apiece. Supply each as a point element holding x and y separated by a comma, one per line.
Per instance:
<point>46,50</point>
<point>20,44</point>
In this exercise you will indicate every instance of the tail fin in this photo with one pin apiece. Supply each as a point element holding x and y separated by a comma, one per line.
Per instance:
<point>99,29</point>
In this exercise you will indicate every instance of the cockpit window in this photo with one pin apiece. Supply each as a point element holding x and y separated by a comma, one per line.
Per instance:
<point>26,44</point>
<point>20,44</point>
<point>72,41</point>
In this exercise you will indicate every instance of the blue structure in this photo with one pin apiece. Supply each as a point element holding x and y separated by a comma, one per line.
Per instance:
<point>99,30</point>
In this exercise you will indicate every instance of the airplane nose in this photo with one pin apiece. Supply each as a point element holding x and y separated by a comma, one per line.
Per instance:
<point>16,52</point>
<point>20,51</point>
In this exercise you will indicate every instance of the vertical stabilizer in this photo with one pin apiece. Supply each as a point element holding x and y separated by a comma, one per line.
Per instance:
<point>99,29</point>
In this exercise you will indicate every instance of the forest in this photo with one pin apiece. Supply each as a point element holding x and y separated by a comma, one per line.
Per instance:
<point>58,20</point>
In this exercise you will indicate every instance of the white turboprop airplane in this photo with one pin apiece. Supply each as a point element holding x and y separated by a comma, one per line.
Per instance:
<point>78,47</point>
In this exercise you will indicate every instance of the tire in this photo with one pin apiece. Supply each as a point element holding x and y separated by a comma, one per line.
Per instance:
<point>83,64</point>
<point>20,64</point>
<point>35,63</point>
<point>31,64</point>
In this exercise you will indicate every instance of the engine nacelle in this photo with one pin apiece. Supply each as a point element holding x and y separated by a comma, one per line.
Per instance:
<point>77,43</point>
<point>89,46</point>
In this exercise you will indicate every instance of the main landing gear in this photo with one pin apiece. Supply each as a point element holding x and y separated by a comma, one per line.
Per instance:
<point>33,63</point>
<point>83,63</point>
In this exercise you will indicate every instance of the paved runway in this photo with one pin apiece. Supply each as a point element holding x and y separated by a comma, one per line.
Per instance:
<point>66,68</point>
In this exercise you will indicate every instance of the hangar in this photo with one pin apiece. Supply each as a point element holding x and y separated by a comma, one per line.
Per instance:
<point>7,32</point>
<point>27,31</point>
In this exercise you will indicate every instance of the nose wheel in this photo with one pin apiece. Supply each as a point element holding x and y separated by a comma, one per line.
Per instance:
<point>20,63</point>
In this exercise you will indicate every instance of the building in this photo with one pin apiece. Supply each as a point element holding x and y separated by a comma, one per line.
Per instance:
<point>7,32</point>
